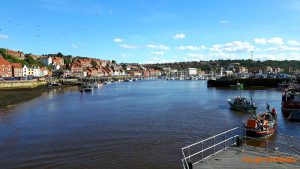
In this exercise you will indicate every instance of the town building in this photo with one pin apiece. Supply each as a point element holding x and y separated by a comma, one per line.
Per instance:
<point>5,68</point>
<point>25,71</point>
<point>17,70</point>
<point>269,69</point>
<point>43,72</point>
<point>36,71</point>
<point>46,60</point>
<point>192,72</point>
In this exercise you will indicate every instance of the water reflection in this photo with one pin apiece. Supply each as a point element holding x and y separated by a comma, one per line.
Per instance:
<point>145,121</point>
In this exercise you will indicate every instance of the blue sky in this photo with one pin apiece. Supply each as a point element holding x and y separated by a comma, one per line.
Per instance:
<point>150,31</point>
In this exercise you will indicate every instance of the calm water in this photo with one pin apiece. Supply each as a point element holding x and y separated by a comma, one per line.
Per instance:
<point>136,125</point>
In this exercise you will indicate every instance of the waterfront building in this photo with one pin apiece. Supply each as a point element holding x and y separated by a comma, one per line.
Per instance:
<point>25,71</point>
<point>241,69</point>
<point>269,69</point>
<point>30,72</point>
<point>5,68</point>
<point>192,72</point>
<point>17,70</point>
<point>173,72</point>
<point>36,71</point>
<point>43,72</point>
<point>92,72</point>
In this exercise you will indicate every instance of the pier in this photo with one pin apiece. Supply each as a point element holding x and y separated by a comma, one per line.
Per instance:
<point>231,149</point>
<point>226,82</point>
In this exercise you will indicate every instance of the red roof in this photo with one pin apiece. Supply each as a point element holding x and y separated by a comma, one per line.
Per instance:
<point>4,62</point>
<point>17,65</point>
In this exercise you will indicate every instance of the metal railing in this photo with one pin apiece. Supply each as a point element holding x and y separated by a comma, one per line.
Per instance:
<point>208,147</point>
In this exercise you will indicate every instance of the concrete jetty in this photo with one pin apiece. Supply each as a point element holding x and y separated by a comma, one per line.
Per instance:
<point>232,149</point>
<point>249,157</point>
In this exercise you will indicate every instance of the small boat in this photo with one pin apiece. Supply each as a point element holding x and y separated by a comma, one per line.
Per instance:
<point>237,85</point>
<point>107,82</point>
<point>53,84</point>
<point>261,125</point>
<point>283,85</point>
<point>241,104</point>
<point>87,87</point>
<point>291,85</point>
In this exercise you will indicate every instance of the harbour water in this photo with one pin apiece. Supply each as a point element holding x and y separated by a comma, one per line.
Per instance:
<point>136,125</point>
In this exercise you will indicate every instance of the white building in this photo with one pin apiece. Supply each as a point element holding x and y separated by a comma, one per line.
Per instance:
<point>46,60</point>
<point>36,71</point>
<point>192,72</point>
<point>56,66</point>
<point>25,71</point>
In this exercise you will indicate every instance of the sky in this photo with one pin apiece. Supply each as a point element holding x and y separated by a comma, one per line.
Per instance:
<point>153,31</point>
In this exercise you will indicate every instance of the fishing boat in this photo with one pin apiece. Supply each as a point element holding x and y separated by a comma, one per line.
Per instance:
<point>97,85</point>
<point>87,87</point>
<point>237,85</point>
<point>290,104</point>
<point>54,84</point>
<point>261,125</point>
<point>241,104</point>
<point>290,85</point>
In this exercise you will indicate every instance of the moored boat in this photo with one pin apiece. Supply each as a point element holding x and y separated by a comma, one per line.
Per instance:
<point>261,125</point>
<point>290,104</point>
<point>241,104</point>
<point>237,85</point>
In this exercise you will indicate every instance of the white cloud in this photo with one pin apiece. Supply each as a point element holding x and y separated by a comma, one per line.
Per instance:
<point>293,43</point>
<point>189,47</point>
<point>223,21</point>
<point>276,41</point>
<point>3,37</point>
<point>236,46</point>
<point>179,36</point>
<point>158,53</point>
<point>283,48</point>
<point>272,41</point>
<point>127,46</point>
<point>260,41</point>
<point>161,47</point>
<point>118,40</point>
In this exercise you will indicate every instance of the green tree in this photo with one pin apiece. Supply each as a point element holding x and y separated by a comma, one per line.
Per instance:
<point>94,63</point>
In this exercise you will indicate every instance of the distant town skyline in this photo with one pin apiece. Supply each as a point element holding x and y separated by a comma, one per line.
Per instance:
<point>154,31</point>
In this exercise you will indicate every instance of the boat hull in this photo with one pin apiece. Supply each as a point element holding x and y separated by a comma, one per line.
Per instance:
<point>258,133</point>
<point>242,108</point>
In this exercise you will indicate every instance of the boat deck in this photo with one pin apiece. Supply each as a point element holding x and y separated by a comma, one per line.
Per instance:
<point>249,157</point>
